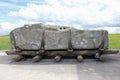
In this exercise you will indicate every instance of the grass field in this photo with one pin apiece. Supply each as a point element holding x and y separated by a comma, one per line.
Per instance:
<point>4,43</point>
<point>114,42</point>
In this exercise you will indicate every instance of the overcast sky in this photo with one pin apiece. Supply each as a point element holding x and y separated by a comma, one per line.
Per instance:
<point>83,14</point>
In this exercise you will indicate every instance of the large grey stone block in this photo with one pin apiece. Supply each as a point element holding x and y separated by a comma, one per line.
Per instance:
<point>26,38</point>
<point>56,39</point>
<point>30,37</point>
<point>89,39</point>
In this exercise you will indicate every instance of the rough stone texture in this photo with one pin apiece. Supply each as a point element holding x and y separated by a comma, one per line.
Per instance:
<point>89,39</point>
<point>26,38</point>
<point>56,37</point>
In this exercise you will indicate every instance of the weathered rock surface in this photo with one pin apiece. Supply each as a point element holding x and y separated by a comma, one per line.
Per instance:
<point>52,37</point>
<point>89,39</point>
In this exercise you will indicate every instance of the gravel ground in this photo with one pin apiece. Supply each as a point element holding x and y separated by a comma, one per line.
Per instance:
<point>67,69</point>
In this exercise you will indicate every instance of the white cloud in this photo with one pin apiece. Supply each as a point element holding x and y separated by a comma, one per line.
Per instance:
<point>113,29</point>
<point>6,27</point>
<point>76,13</point>
<point>85,12</point>
<point>24,13</point>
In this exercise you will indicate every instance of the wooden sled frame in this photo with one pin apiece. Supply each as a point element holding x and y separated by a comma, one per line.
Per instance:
<point>58,54</point>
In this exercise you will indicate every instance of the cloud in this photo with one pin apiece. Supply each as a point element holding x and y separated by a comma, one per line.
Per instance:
<point>111,29</point>
<point>6,27</point>
<point>83,14</point>
<point>69,11</point>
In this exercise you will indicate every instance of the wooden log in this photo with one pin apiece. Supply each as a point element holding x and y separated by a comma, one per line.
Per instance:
<point>109,51</point>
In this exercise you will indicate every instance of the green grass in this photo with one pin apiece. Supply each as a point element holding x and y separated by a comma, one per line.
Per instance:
<point>114,42</point>
<point>4,43</point>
